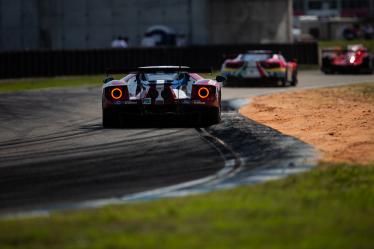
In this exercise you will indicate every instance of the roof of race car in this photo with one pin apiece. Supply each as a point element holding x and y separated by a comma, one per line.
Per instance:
<point>154,69</point>
<point>259,52</point>
<point>163,67</point>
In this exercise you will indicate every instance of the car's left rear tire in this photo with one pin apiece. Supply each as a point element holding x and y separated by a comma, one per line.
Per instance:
<point>110,119</point>
<point>294,80</point>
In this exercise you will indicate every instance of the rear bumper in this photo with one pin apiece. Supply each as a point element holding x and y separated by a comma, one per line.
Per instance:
<point>139,110</point>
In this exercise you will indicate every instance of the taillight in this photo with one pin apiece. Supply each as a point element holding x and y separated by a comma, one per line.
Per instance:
<point>116,93</point>
<point>203,93</point>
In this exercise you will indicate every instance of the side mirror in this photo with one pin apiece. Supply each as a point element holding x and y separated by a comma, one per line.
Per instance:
<point>108,79</point>
<point>220,78</point>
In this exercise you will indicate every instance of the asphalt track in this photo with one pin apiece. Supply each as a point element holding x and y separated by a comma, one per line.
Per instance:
<point>54,152</point>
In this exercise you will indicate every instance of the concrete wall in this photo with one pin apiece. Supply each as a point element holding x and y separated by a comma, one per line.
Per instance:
<point>18,24</point>
<point>66,24</point>
<point>243,21</point>
<point>95,23</point>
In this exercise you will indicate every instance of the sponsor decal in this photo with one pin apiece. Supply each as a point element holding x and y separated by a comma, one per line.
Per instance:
<point>131,102</point>
<point>118,102</point>
<point>147,101</point>
<point>198,102</point>
<point>159,101</point>
<point>186,101</point>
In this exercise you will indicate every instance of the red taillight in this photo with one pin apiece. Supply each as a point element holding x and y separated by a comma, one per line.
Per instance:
<point>116,93</point>
<point>203,93</point>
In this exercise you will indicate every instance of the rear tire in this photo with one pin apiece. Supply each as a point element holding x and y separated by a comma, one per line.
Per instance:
<point>211,117</point>
<point>110,119</point>
<point>294,80</point>
<point>370,66</point>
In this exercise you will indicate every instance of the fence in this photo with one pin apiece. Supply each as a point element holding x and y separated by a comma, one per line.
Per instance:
<point>83,62</point>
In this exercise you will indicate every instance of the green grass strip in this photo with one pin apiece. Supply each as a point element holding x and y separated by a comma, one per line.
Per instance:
<point>329,207</point>
<point>15,85</point>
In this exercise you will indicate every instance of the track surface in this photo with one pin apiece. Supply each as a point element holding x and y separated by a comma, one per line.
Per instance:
<point>54,151</point>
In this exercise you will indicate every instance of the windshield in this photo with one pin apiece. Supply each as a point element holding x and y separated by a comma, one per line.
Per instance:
<point>256,57</point>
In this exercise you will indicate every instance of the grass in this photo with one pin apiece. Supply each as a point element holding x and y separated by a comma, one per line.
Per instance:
<point>343,43</point>
<point>14,85</point>
<point>331,206</point>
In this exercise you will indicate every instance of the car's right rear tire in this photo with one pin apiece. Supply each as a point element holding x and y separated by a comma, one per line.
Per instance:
<point>110,119</point>
<point>211,117</point>
<point>294,80</point>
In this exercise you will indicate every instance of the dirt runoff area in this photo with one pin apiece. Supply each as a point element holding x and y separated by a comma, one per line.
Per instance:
<point>338,121</point>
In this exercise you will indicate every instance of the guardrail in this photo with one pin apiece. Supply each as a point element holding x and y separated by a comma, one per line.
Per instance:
<point>40,63</point>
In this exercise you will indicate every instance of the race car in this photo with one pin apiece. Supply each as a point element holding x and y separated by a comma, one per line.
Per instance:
<point>260,66</point>
<point>161,91</point>
<point>354,59</point>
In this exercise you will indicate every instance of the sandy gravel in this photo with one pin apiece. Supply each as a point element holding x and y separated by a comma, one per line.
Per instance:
<point>338,121</point>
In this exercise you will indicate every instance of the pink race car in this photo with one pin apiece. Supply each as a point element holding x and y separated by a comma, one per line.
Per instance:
<point>161,91</point>
<point>355,59</point>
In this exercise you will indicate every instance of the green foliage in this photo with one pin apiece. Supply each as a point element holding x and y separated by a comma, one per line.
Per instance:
<point>331,206</point>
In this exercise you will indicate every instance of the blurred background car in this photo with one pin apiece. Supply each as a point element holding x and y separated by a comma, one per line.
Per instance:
<point>260,66</point>
<point>354,59</point>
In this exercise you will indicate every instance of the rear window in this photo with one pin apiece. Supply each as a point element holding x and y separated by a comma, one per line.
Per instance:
<point>161,76</point>
<point>256,57</point>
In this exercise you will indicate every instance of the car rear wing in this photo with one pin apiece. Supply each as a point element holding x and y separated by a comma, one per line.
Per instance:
<point>156,69</point>
<point>260,52</point>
